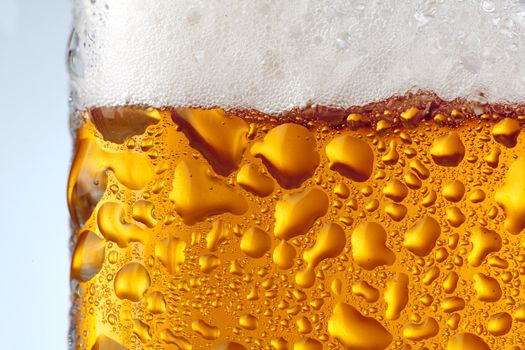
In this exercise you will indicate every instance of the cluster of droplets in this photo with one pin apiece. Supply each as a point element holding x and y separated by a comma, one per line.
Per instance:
<point>198,228</point>
<point>273,56</point>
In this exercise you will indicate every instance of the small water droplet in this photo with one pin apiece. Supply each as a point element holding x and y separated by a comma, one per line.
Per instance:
<point>422,18</point>
<point>518,13</point>
<point>342,41</point>
<point>424,13</point>
<point>488,6</point>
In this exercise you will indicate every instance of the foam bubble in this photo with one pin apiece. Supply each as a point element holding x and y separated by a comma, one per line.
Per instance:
<point>272,55</point>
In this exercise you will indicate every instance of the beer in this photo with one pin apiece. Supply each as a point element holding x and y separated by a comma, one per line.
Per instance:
<point>390,226</point>
<point>297,175</point>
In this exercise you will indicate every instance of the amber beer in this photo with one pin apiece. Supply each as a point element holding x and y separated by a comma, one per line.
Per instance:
<point>394,225</point>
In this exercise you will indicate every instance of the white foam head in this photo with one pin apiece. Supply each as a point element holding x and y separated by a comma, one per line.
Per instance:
<point>271,55</point>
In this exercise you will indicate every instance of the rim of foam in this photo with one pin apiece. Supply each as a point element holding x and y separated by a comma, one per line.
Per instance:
<point>275,55</point>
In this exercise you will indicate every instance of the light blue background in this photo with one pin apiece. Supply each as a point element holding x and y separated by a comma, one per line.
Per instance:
<point>35,150</point>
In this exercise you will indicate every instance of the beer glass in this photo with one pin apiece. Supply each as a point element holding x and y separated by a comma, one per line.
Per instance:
<point>303,175</point>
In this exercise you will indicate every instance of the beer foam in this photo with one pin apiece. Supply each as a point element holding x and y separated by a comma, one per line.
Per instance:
<point>273,55</point>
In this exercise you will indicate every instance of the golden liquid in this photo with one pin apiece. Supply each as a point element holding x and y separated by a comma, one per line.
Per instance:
<point>201,229</point>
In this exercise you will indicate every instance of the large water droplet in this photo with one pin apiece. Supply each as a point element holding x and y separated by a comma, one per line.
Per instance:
<point>74,60</point>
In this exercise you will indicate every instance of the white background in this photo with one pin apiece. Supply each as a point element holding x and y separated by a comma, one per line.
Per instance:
<point>35,150</point>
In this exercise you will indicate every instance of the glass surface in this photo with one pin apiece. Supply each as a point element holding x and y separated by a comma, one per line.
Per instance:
<point>304,217</point>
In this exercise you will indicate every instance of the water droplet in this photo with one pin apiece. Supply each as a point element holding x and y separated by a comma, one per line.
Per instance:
<point>289,152</point>
<point>206,330</point>
<point>455,216</point>
<point>487,288</point>
<point>307,344</point>
<point>103,342</point>
<point>506,132</point>
<point>355,331</point>
<point>499,324</point>
<point>88,256</point>
<point>279,344</point>
<point>170,252</point>
<point>341,190</point>
<point>392,156</point>
<point>142,331</point>
<point>248,321</point>
<point>395,190</point>
<point>295,213</point>
<point>229,345</point>
<point>510,197</point>
<point>448,150</point>
<point>110,220</point>
<point>197,193</point>
<point>255,242</point>
<point>454,191</point>
<point>75,62</point>
<point>488,6</point>
<point>351,157</point>
<point>221,138</point>
<point>421,238</point>
<point>519,314</point>
<point>155,303</point>
<point>396,295</point>
<point>329,244</point>
<point>450,283</point>
<point>342,41</point>
<point>484,242</point>
<point>208,263</point>
<point>477,196</point>
<point>143,213</point>
<point>518,13</point>
<point>424,12</point>
<point>167,336</point>
<point>284,255</point>
<point>396,211</point>
<point>132,281</point>
<point>431,275</point>
<point>252,180</point>
<point>429,199</point>
<point>369,248</point>
<point>466,341</point>
<point>428,328</point>
<point>366,291</point>
<point>452,304</point>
